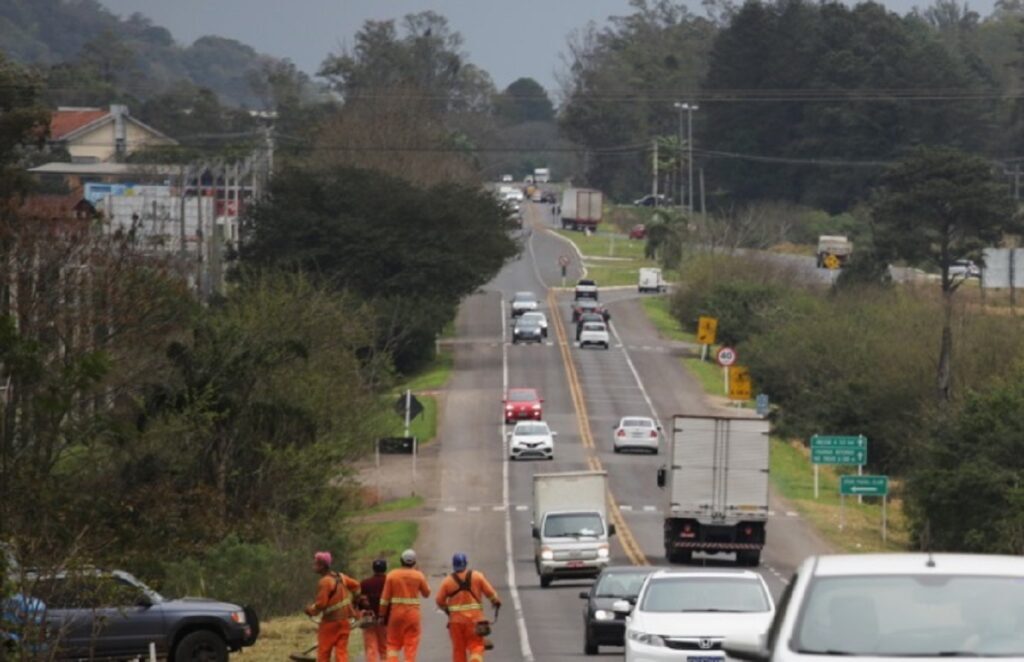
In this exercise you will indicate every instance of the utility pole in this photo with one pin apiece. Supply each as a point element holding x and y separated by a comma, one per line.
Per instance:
<point>689,108</point>
<point>654,185</point>
<point>679,163</point>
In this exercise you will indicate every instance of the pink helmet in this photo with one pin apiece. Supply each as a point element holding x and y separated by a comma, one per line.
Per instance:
<point>323,557</point>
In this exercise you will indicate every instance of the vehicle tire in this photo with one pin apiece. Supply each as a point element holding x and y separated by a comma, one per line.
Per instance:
<point>749,558</point>
<point>616,449</point>
<point>679,558</point>
<point>201,646</point>
<point>606,345</point>
<point>589,647</point>
<point>545,581</point>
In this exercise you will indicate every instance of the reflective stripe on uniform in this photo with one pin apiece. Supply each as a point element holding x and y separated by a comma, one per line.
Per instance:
<point>338,605</point>
<point>404,601</point>
<point>466,607</point>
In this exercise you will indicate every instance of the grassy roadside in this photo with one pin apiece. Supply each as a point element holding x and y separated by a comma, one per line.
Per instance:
<point>624,269</point>
<point>792,474</point>
<point>658,311</point>
<point>280,637</point>
<point>434,376</point>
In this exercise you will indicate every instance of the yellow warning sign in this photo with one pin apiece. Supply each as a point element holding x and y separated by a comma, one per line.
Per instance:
<point>707,327</point>
<point>740,387</point>
<point>831,262</point>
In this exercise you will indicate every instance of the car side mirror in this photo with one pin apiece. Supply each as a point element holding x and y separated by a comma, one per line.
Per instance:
<point>611,530</point>
<point>748,647</point>
<point>584,595</point>
<point>536,532</point>
<point>661,477</point>
<point>622,607</point>
<point>143,601</point>
<point>554,434</point>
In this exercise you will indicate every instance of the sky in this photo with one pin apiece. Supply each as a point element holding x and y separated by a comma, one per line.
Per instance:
<point>508,38</point>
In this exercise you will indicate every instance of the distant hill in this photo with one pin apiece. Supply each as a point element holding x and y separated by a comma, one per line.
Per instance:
<point>142,57</point>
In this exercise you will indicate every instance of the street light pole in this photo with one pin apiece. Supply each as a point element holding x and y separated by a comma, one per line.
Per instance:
<point>679,168</point>
<point>689,108</point>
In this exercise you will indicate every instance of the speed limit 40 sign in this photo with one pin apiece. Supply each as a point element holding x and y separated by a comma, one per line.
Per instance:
<point>726,357</point>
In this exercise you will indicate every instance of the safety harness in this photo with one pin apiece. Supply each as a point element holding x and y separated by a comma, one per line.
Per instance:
<point>467,586</point>
<point>346,602</point>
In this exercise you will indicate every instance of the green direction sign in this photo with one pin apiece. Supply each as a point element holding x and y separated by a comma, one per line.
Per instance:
<point>838,449</point>
<point>876,486</point>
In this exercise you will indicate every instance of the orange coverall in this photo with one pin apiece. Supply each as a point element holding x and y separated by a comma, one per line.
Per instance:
<point>464,611</point>
<point>400,606</point>
<point>334,593</point>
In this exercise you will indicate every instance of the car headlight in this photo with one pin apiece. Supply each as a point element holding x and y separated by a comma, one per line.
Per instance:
<point>238,617</point>
<point>509,407</point>
<point>602,615</point>
<point>547,555</point>
<point>602,552</point>
<point>645,638</point>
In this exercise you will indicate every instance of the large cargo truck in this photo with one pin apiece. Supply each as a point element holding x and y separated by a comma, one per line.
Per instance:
<point>582,209</point>
<point>716,488</point>
<point>570,524</point>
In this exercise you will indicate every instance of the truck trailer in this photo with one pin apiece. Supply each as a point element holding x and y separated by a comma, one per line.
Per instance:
<point>716,488</point>
<point>581,209</point>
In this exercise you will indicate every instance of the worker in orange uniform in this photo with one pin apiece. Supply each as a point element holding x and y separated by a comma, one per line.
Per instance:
<point>459,597</point>
<point>335,594</point>
<point>375,635</point>
<point>400,607</point>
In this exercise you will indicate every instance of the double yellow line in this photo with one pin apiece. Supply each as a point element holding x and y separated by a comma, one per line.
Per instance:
<point>629,543</point>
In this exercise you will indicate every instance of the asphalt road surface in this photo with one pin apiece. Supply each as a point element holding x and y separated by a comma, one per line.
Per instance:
<point>483,502</point>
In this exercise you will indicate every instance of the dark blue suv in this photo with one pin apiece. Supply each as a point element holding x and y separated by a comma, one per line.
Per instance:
<point>99,614</point>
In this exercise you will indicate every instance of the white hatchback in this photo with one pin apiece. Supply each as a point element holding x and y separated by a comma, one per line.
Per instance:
<point>594,334</point>
<point>685,615</point>
<point>637,432</point>
<point>531,439</point>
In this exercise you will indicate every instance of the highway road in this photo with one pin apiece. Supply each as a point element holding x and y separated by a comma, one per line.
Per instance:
<point>482,500</point>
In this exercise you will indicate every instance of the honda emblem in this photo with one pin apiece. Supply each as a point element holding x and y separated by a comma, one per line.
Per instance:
<point>705,644</point>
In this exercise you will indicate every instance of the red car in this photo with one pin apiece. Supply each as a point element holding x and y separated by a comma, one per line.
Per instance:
<point>523,403</point>
<point>582,306</point>
<point>639,231</point>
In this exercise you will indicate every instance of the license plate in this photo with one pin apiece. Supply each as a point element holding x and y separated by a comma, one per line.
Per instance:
<point>703,658</point>
<point>575,564</point>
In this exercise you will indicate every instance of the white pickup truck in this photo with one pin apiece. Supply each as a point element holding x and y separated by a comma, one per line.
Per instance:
<point>570,524</point>
<point>833,250</point>
<point>586,289</point>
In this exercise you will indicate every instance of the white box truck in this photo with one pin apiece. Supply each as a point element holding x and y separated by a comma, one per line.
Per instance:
<point>651,280</point>
<point>716,488</point>
<point>570,524</point>
<point>581,209</point>
<point>541,175</point>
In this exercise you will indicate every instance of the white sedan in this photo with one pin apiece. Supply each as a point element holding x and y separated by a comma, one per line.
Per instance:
<point>636,432</point>
<point>531,439</point>
<point>685,615</point>
<point>539,318</point>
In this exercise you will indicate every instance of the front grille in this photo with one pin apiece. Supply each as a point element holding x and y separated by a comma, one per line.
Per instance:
<point>576,555</point>
<point>694,644</point>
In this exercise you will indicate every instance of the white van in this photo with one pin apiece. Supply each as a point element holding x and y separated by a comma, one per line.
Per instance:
<point>651,280</point>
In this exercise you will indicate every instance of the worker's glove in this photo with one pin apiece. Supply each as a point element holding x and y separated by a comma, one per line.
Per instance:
<point>311,610</point>
<point>497,603</point>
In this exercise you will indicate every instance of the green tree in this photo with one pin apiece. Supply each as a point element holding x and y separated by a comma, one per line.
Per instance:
<point>23,122</point>
<point>524,100</point>
<point>937,206</point>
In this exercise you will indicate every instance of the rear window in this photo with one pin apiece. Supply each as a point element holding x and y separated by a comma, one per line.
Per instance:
<point>522,396</point>
<point>637,423</point>
<point>524,296</point>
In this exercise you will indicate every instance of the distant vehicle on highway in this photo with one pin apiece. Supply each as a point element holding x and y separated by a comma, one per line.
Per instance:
<point>523,302</point>
<point>540,318</point>
<point>585,318</point>
<point>526,330</point>
<point>638,432</point>
<point>870,607</point>
<point>594,334</point>
<point>523,404</point>
<point>549,197</point>
<point>651,200</point>
<point>541,175</point>
<point>113,615</point>
<point>835,247</point>
<point>507,178</point>
<point>582,209</point>
<point>685,615</point>
<point>570,525</point>
<point>638,231</point>
<point>601,625</point>
<point>651,280</point>
<point>964,269</point>
<point>586,288</point>
<point>531,439</point>
<point>581,306</point>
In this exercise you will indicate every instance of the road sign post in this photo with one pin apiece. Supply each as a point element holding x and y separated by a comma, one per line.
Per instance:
<point>707,329</point>
<point>563,262</point>
<point>837,449</point>
<point>726,357</point>
<point>740,388</point>
<point>862,486</point>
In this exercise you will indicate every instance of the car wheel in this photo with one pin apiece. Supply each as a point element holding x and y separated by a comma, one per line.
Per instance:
<point>589,647</point>
<point>616,449</point>
<point>201,646</point>
<point>545,581</point>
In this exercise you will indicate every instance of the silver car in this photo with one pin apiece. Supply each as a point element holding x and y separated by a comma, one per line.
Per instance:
<point>539,318</point>
<point>531,439</point>
<point>892,606</point>
<point>636,432</point>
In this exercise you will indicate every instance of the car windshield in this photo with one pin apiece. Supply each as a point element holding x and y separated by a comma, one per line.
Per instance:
<point>522,396</point>
<point>705,594</point>
<point>529,324</point>
<point>532,429</point>
<point>637,423</point>
<point>573,525</point>
<point>620,584</point>
<point>913,616</point>
<point>524,297</point>
<point>537,317</point>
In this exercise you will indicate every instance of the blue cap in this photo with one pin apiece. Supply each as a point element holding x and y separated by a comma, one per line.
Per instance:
<point>459,561</point>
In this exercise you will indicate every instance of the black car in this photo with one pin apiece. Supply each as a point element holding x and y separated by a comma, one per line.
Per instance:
<point>601,625</point>
<point>100,614</point>
<point>527,330</point>
<point>587,317</point>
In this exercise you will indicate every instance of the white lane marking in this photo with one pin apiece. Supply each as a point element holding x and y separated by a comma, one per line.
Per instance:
<point>650,509</point>
<point>792,513</point>
<point>450,509</point>
<point>522,509</point>
<point>636,375</point>
<point>626,509</point>
<point>771,513</point>
<point>474,509</point>
<point>510,569</point>
<point>497,509</point>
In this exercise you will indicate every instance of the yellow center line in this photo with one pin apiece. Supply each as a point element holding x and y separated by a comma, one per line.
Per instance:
<point>626,538</point>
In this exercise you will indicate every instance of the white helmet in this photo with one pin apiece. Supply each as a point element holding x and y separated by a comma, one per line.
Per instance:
<point>409,557</point>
